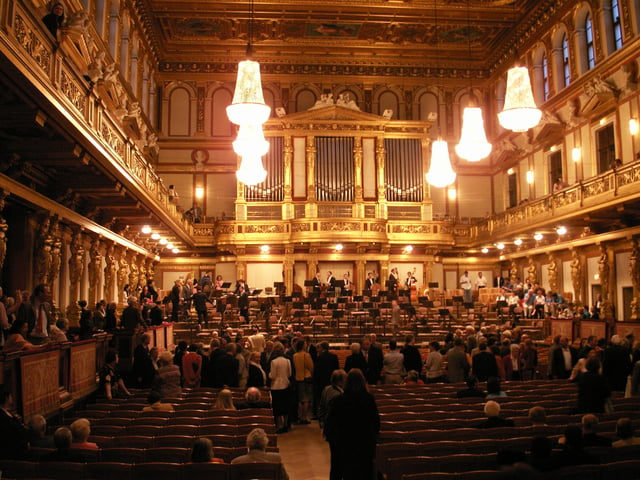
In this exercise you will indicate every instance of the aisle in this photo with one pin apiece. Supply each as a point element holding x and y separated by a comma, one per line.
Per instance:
<point>305,453</point>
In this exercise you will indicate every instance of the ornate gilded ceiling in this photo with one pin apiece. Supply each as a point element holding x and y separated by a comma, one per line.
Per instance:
<point>475,35</point>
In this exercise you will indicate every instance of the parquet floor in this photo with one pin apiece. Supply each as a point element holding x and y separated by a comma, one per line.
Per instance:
<point>305,453</point>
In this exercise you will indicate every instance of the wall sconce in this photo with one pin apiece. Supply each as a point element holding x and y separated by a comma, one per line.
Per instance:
<point>408,249</point>
<point>633,126</point>
<point>146,229</point>
<point>485,250</point>
<point>530,177</point>
<point>452,193</point>
<point>517,241</point>
<point>511,171</point>
<point>264,249</point>
<point>561,230</point>
<point>576,154</point>
<point>538,236</point>
<point>338,247</point>
<point>199,193</point>
<point>500,246</point>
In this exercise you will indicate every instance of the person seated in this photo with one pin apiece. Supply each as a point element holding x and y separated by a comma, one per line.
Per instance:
<point>167,381</point>
<point>624,431</point>
<point>155,404</point>
<point>493,388</point>
<point>16,338</point>
<point>573,452</point>
<point>540,453</point>
<point>472,389</point>
<point>538,416</point>
<point>63,438</point>
<point>202,452</point>
<point>14,437</point>
<point>224,400</point>
<point>590,437</point>
<point>257,442</point>
<point>81,429</point>
<point>38,438</point>
<point>111,383</point>
<point>494,420</point>
<point>252,399</point>
<point>413,378</point>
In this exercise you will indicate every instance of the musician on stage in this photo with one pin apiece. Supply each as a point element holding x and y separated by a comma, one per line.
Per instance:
<point>243,300</point>
<point>410,280</point>
<point>370,282</point>
<point>348,286</point>
<point>241,284</point>
<point>331,281</point>
<point>316,284</point>
<point>394,279</point>
<point>218,283</point>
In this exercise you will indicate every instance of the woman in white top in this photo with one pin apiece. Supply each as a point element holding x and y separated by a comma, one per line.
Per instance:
<point>279,374</point>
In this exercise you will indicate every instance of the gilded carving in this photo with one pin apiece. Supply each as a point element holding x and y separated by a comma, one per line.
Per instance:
<point>301,227</point>
<point>134,273</point>
<point>552,271</point>
<point>123,275</point>
<point>30,42</point>
<point>225,229</point>
<point>576,277</point>
<point>110,270</point>
<point>44,243</point>
<point>3,230</point>
<point>73,92</point>
<point>411,228</point>
<point>203,231</point>
<point>95,269</point>
<point>532,274</point>
<point>634,273</point>
<point>76,265</point>
<point>339,226</point>
<point>279,228</point>
<point>56,251</point>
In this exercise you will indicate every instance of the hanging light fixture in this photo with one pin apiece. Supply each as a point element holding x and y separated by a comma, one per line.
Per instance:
<point>249,112</point>
<point>520,112</point>
<point>440,173</point>
<point>251,171</point>
<point>473,144</point>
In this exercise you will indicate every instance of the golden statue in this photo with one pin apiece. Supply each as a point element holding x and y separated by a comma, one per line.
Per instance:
<point>552,270</point>
<point>532,276</point>
<point>110,270</point>
<point>44,244</point>
<point>576,277</point>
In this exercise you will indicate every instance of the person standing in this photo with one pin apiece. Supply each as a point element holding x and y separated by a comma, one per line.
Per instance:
<point>393,365</point>
<point>279,374</point>
<point>457,363</point>
<point>175,297</point>
<point>303,367</point>
<point>373,359</point>
<point>392,284</point>
<point>352,426</point>
<point>465,284</point>
<point>481,281</point>
<point>324,366</point>
<point>54,20</point>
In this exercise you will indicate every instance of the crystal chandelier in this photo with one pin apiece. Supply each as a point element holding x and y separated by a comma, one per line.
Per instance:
<point>440,173</point>
<point>520,112</point>
<point>473,144</point>
<point>251,170</point>
<point>249,112</point>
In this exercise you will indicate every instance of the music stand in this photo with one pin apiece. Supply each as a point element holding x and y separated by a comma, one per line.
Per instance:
<point>308,283</point>
<point>367,305</point>
<point>337,315</point>
<point>457,301</point>
<point>299,314</point>
<point>444,313</point>
<point>366,293</point>
<point>256,292</point>
<point>226,285</point>
<point>433,284</point>
<point>298,305</point>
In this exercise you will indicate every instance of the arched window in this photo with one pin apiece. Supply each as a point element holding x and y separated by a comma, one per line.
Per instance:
<point>545,76</point>
<point>617,26</point>
<point>588,33</point>
<point>566,70</point>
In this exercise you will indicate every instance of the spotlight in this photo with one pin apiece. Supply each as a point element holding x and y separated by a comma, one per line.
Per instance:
<point>561,230</point>
<point>538,236</point>
<point>163,241</point>
<point>175,250</point>
<point>170,246</point>
<point>264,249</point>
<point>500,246</point>
<point>408,249</point>
<point>155,236</point>
<point>518,241</point>
<point>339,247</point>
<point>146,229</point>
<point>485,250</point>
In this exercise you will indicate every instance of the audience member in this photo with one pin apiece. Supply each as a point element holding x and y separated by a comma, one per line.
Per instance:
<point>257,442</point>
<point>80,430</point>
<point>224,401</point>
<point>330,392</point>
<point>492,411</point>
<point>55,19</point>
<point>167,379</point>
<point>37,426</point>
<point>155,404</point>
<point>494,389</point>
<point>14,437</point>
<point>63,438</point>
<point>433,364</point>
<point>590,437</point>
<point>252,399</point>
<point>111,383</point>
<point>202,452</point>
<point>593,391</point>
<point>393,365</point>
<point>624,431</point>
<point>413,378</point>
<point>537,416</point>
<point>472,389</point>
<point>573,452</point>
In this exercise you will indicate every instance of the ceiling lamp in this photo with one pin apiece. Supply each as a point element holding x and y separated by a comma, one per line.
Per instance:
<point>473,144</point>
<point>518,241</point>
<point>251,171</point>
<point>249,112</point>
<point>520,112</point>
<point>538,236</point>
<point>440,173</point>
<point>250,141</point>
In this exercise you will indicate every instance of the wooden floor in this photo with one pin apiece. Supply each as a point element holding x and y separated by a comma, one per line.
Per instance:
<point>305,453</point>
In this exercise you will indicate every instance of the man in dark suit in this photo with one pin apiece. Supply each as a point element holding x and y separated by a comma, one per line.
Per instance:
<point>36,312</point>
<point>227,368</point>
<point>563,359</point>
<point>356,359</point>
<point>374,360</point>
<point>143,370</point>
<point>616,364</point>
<point>324,365</point>
<point>484,364</point>
<point>175,297</point>
<point>14,437</point>
<point>316,285</point>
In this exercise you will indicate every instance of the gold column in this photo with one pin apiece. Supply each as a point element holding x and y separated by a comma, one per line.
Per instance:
<point>287,205</point>
<point>382,192</point>
<point>357,160</point>
<point>288,269</point>
<point>311,207</point>
<point>360,275</point>
<point>95,271</point>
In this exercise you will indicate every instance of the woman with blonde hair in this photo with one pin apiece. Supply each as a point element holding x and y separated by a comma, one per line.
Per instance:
<point>224,400</point>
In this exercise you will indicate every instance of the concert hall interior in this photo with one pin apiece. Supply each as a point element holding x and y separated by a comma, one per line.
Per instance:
<point>119,165</point>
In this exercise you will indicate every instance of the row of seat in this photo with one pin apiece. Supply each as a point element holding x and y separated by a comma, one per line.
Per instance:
<point>239,431</point>
<point>623,470</point>
<point>167,439</point>
<point>139,471</point>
